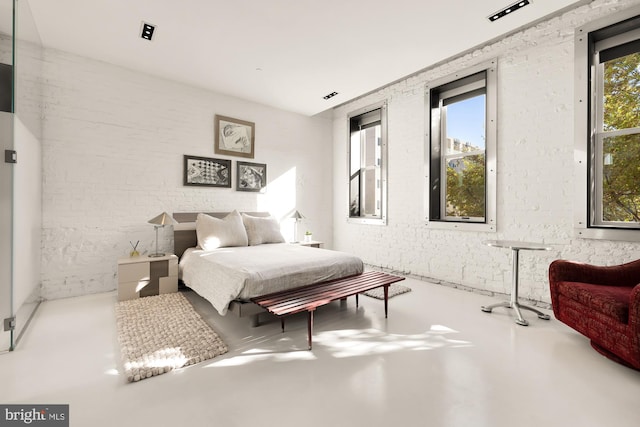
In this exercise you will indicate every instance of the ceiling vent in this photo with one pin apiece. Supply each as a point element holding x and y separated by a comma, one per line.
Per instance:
<point>508,10</point>
<point>147,31</point>
<point>331,95</point>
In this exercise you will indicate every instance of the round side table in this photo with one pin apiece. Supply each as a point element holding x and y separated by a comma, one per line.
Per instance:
<point>515,247</point>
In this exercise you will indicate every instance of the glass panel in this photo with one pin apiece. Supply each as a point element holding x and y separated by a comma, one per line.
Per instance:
<point>27,175</point>
<point>354,172</point>
<point>354,195</point>
<point>465,158</point>
<point>371,169</point>
<point>465,125</point>
<point>369,191</point>
<point>622,93</point>
<point>620,178</point>
<point>354,161</point>
<point>6,169</point>
<point>465,196</point>
<point>370,139</point>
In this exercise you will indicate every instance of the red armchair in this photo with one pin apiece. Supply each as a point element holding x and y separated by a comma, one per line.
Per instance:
<point>602,303</point>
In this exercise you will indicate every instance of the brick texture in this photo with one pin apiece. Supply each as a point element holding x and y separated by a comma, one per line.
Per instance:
<point>113,146</point>
<point>535,169</point>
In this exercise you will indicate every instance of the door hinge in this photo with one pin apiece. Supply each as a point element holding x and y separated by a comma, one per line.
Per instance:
<point>10,323</point>
<point>10,156</point>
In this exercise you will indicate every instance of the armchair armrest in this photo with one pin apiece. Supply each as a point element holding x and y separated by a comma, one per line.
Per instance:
<point>617,275</point>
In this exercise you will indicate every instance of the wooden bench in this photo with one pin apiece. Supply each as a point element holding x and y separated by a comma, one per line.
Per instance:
<point>308,298</point>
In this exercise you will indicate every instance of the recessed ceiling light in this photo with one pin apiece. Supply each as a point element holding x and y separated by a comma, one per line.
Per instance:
<point>147,31</point>
<point>331,95</point>
<point>507,10</point>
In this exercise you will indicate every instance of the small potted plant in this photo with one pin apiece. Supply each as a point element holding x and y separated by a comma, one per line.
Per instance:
<point>308,236</point>
<point>134,253</point>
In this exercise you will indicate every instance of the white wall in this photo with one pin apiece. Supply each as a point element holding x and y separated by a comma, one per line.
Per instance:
<point>535,169</point>
<point>113,151</point>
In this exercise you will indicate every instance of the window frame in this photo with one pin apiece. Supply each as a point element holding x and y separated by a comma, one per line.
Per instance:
<point>589,134</point>
<point>435,194</point>
<point>382,218</point>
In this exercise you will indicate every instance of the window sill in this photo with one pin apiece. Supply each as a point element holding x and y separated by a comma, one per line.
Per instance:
<point>370,221</point>
<point>461,226</point>
<point>630,235</point>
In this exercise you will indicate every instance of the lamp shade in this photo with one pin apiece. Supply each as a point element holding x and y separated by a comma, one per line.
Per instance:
<point>296,215</point>
<point>162,219</point>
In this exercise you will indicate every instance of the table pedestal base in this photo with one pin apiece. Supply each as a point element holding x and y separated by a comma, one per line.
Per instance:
<point>513,303</point>
<point>517,306</point>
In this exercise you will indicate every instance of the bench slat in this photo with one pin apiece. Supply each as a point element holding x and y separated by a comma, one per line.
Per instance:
<point>308,298</point>
<point>365,281</point>
<point>296,302</point>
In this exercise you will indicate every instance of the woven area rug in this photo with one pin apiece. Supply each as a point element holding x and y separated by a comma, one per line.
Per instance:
<point>394,289</point>
<point>161,333</point>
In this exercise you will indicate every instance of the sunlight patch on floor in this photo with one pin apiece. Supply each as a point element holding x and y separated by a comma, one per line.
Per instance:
<point>364,342</point>
<point>263,354</point>
<point>343,343</point>
<point>170,357</point>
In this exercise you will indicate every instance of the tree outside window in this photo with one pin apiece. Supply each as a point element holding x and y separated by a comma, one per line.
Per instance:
<point>620,140</point>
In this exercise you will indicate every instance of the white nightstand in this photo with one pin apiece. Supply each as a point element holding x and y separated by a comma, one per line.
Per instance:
<point>145,276</point>
<point>311,243</point>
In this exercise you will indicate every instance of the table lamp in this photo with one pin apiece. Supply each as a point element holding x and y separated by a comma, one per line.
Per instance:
<point>297,216</point>
<point>159,222</point>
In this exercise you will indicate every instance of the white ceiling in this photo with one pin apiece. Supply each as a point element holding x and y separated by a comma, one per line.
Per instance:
<point>284,53</point>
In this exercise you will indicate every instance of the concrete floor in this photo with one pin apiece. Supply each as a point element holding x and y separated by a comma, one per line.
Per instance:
<point>438,360</point>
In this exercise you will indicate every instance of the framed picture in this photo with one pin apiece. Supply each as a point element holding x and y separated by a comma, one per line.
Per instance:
<point>251,176</point>
<point>234,137</point>
<point>207,172</point>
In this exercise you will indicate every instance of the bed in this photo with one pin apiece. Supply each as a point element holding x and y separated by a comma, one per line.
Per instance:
<point>229,272</point>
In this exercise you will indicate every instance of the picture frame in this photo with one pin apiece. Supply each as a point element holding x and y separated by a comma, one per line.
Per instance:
<point>207,172</point>
<point>251,176</point>
<point>234,137</point>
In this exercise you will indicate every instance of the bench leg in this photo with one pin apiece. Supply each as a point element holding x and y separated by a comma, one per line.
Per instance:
<point>310,327</point>
<point>386,300</point>
<point>282,323</point>
<point>255,321</point>
<point>356,300</point>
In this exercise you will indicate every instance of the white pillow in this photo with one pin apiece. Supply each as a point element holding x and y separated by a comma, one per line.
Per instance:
<point>216,233</point>
<point>262,230</point>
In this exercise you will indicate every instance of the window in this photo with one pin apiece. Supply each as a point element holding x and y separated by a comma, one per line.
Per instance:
<point>461,150</point>
<point>608,129</point>
<point>368,164</point>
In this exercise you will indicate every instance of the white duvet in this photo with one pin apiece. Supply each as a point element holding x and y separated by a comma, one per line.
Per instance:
<point>227,274</point>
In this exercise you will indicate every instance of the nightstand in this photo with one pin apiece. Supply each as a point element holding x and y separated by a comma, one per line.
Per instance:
<point>312,243</point>
<point>145,276</point>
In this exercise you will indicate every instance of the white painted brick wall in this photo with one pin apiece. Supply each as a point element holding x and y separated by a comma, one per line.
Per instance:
<point>113,146</point>
<point>535,169</point>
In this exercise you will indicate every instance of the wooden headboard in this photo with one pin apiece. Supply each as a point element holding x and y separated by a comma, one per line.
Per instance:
<point>184,233</point>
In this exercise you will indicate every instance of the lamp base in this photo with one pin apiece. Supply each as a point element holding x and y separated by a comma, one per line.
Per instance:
<point>156,255</point>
